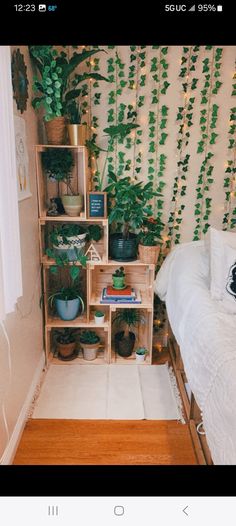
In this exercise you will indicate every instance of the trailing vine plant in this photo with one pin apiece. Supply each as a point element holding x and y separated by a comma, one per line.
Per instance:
<point>184,117</point>
<point>208,121</point>
<point>157,121</point>
<point>229,218</point>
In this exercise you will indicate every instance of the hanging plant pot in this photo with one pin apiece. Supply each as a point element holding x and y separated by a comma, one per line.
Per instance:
<point>73,204</point>
<point>123,249</point>
<point>73,248</point>
<point>77,134</point>
<point>55,130</point>
<point>67,309</point>
<point>149,254</point>
<point>124,344</point>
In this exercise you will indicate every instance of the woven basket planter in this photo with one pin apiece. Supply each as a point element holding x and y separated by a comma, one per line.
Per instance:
<point>55,130</point>
<point>149,255</point>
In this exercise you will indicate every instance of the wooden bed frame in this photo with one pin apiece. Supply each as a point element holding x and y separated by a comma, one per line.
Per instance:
<point>191,409</point>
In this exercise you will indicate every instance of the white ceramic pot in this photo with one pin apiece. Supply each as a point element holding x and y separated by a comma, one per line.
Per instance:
<point>140,358</point>
<point>99,320</point>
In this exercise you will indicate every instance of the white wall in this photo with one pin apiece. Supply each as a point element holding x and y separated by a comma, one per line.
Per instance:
<point>24,326</point>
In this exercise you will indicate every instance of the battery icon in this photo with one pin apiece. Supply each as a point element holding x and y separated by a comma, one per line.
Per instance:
<point>219,8</point>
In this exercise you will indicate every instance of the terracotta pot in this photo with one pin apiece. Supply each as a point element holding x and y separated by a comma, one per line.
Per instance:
<point>149,254</point>
<point>73,204</point>
<point>55,130</point>
<point>66,349</point>
<point>77,134</point>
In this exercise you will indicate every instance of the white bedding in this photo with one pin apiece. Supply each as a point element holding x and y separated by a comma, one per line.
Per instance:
<point>207,339</point>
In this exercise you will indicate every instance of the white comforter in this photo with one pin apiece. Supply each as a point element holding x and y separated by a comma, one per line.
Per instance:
<point>207,338</point>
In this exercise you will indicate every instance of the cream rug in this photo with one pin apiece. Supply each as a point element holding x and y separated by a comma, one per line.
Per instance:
<point>115,392</point>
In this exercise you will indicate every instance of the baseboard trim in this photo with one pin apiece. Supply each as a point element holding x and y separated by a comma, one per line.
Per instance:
<point>11,448</point>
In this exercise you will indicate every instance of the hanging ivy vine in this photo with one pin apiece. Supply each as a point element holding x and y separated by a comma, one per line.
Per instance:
<point>157,122</point>
<point>185,120</point>
<point>229,218</point>
<point>208,123</point>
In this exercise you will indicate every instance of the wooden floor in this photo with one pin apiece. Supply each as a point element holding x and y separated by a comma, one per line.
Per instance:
<point>83,442</point>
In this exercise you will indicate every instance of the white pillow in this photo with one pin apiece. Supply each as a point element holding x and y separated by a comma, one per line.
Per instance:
<point>229,280</point>
<point>218,239</point>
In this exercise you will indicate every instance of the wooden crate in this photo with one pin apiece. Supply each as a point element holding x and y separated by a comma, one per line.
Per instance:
<point>47,226</point>
<point>97,274</point>
<point>143,337</point>
<point>139,276</point>
<point>102,357</point>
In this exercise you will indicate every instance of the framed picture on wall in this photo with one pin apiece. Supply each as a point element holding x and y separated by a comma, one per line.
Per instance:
<point>97,205</point>
<point>22,161</point>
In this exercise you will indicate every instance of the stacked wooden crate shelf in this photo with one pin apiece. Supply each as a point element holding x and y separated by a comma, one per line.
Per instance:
<point>96,275</point>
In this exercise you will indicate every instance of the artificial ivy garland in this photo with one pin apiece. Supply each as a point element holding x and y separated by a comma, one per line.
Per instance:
<point>157,121</point>
<point>185,119</point>
<point>208,122</point>
<point>229,218</point>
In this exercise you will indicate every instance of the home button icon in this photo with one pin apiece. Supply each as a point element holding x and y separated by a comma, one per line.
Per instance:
<point>119,510</point>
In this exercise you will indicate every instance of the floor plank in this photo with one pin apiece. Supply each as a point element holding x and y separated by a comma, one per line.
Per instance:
<point>103,442</point>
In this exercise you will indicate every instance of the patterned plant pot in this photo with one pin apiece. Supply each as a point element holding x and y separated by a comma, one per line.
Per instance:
<point>74,247</point>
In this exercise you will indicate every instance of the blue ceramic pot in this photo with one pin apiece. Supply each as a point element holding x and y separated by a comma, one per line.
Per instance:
<point>67,310</point>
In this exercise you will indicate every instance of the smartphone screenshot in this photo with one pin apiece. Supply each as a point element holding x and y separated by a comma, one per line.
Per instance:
<point>117,263</point>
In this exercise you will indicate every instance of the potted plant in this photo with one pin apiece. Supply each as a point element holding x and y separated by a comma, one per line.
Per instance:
<point>140,354</point>
<point>150,240</point>
<point>67,299</point>
<point>118,278</point>
<point>90,343</point>
<point>70,239</point>
<point>58,164</point>
<point>68,302</point>
<point>99,317</point>
<point>55,88</point>
<point>66,344</point>
<point>77,131</point>
<point>128,202</point>
<point>125,339</point>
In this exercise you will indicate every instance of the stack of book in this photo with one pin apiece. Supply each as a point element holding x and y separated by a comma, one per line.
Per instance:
<point>126,295</point>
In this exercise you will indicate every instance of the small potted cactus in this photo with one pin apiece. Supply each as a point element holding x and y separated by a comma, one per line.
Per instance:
<point>140,354</point>
<point>118,278</point>
<point>99,317</point>
<point>90,342</point>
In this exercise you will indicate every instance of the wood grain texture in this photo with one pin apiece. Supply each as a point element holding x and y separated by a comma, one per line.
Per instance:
<point>103,442</point>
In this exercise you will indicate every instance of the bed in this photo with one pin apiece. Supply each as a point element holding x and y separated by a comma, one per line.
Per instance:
<point>206,335</point>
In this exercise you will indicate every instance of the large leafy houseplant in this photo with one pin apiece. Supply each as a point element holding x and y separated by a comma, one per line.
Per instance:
<point>129,204</point>
<point>54,85</point>
<point>113,133</point>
